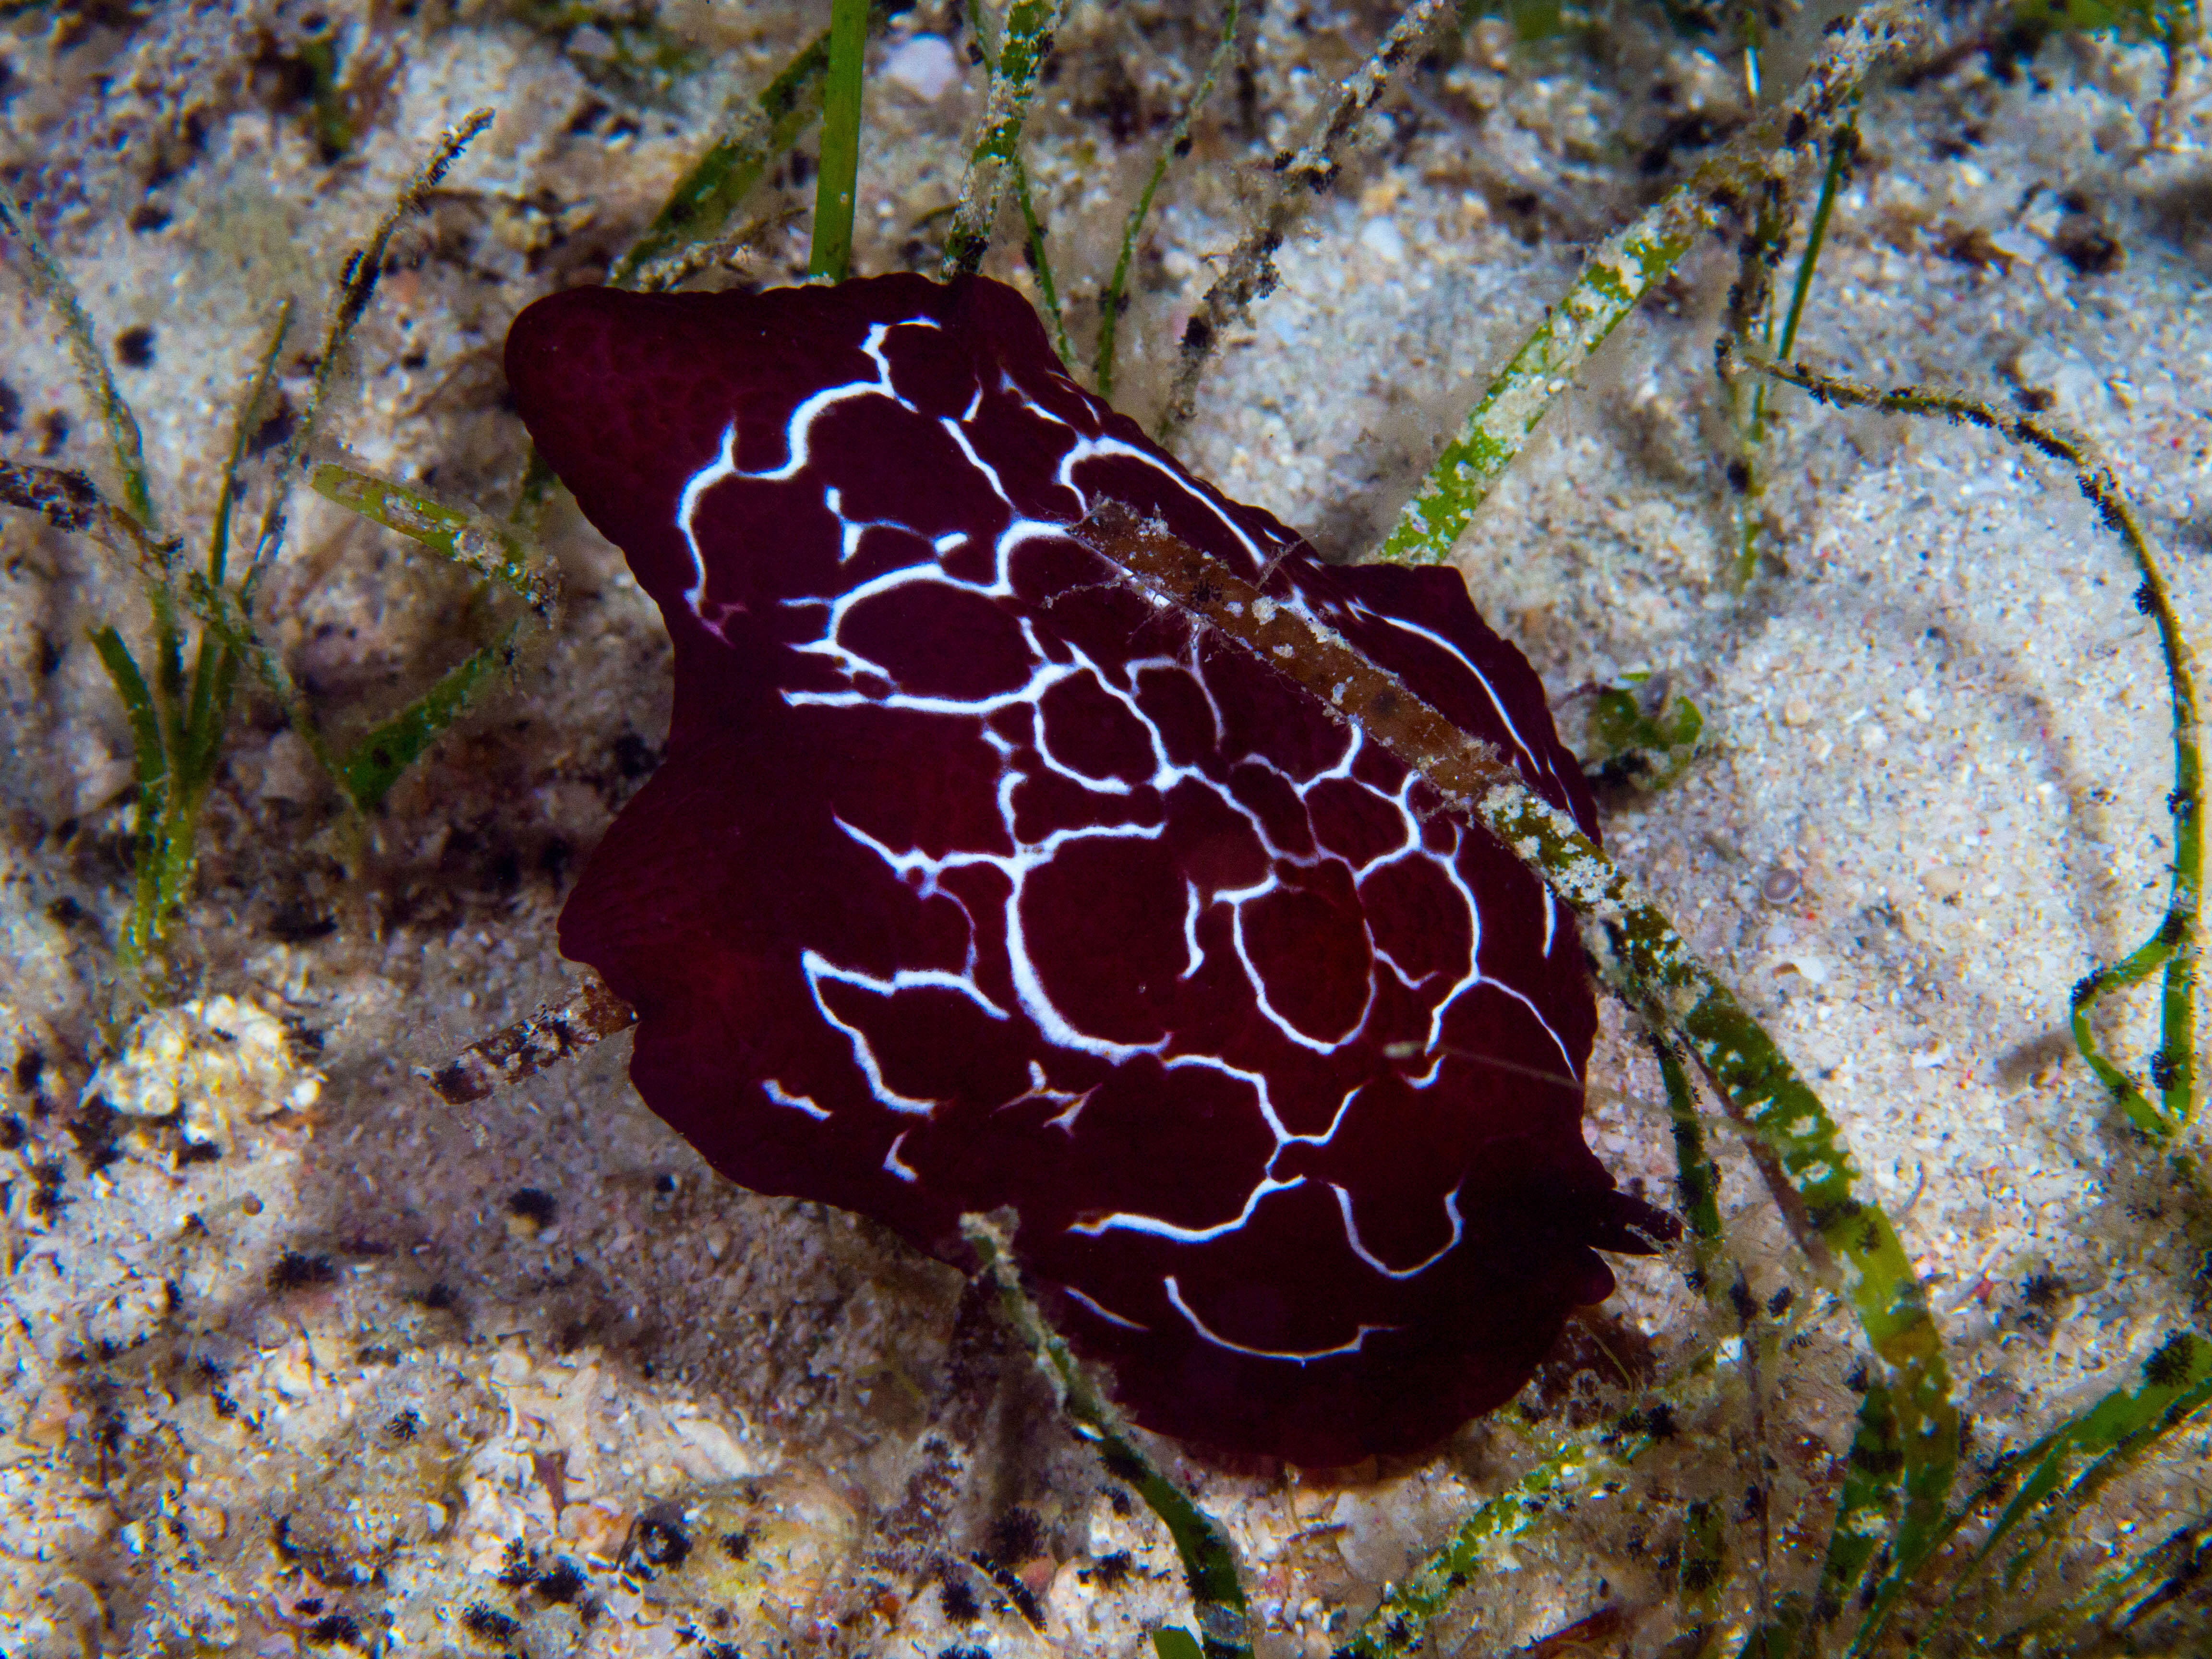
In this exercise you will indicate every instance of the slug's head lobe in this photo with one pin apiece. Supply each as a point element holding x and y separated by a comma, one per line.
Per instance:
<point>629,395</point>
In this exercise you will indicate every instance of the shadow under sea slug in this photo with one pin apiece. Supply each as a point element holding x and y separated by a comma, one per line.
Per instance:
<point>974,876</point>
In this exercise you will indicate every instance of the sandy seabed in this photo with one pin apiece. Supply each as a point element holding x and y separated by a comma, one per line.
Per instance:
<point>295,1359</point>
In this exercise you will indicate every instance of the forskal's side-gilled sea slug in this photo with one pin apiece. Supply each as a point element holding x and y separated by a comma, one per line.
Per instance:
<point>975,877</point>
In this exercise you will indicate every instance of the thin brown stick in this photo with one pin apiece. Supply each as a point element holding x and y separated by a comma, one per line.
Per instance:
<point>554,1033</point>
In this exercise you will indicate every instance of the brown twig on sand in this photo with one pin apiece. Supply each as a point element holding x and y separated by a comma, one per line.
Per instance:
<point>526,1047</point>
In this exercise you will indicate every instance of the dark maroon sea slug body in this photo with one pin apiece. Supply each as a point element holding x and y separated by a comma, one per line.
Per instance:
<point>972,877</point>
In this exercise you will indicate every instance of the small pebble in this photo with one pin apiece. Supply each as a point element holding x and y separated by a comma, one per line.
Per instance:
<point>1942,882</point>
<point>1381,237</point>
<point>1798,711</point>
<point>206,1523</point>
<point>591,41</point>
<point>1380,198</point>
<point>924,66</point>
